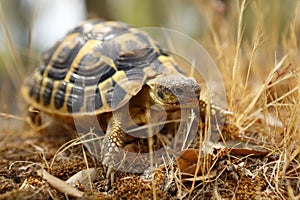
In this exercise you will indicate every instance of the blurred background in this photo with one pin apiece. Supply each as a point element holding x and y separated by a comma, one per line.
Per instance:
<point>37,24</point>
<point>29,27</point>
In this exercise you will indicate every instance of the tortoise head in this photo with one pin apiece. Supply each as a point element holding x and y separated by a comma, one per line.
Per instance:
<point>174,91</point>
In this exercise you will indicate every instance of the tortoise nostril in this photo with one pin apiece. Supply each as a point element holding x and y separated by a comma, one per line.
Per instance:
<point>197,93</point>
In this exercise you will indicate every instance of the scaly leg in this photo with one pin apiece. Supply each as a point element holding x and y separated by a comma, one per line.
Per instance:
<point>113,140</point>
<point>34,115</point>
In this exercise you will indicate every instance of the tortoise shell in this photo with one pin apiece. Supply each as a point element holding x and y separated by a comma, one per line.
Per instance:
<point>96,68</point>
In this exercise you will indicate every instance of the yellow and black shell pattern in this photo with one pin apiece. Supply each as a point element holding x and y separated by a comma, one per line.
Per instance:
<point>97,67</point>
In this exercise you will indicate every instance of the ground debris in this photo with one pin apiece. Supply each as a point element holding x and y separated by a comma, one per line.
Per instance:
<point>60,185</point>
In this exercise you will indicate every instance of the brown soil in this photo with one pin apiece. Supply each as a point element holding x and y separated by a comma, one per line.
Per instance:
<point>232,175</point>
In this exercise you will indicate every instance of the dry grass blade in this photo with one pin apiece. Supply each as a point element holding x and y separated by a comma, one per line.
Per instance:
<point>296,88</point>
<point>64,147</point>
<point>10,116</point>
<point>261,89</point>
<point>15,71</point>
<point>235,71</point>
<point>212,174</point>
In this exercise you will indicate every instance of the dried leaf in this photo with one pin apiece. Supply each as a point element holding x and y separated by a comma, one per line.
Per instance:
<point>60,185</point>
<point>84,177</point>
<point>188,162</point>
<point>236,147</point>
<point>241,148</point>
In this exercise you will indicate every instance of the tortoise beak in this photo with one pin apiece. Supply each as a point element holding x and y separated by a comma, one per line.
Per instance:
<point>176,106</point>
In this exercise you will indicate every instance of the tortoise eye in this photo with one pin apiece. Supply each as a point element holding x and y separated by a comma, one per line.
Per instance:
<point>179,90</point>
<point>160,94</point>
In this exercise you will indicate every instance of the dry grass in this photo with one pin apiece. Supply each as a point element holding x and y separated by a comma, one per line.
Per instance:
<point>261,77</point>
<point>260,70</point>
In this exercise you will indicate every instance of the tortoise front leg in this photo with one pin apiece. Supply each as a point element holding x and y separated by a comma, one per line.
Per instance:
<point>34,117</point>
<point>113,140</point>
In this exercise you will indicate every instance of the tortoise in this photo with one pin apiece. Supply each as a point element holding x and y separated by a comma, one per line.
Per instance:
<point>100,67</point>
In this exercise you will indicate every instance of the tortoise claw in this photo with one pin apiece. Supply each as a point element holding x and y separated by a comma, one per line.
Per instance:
<point>110,174</point>
<point>110,161</point>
